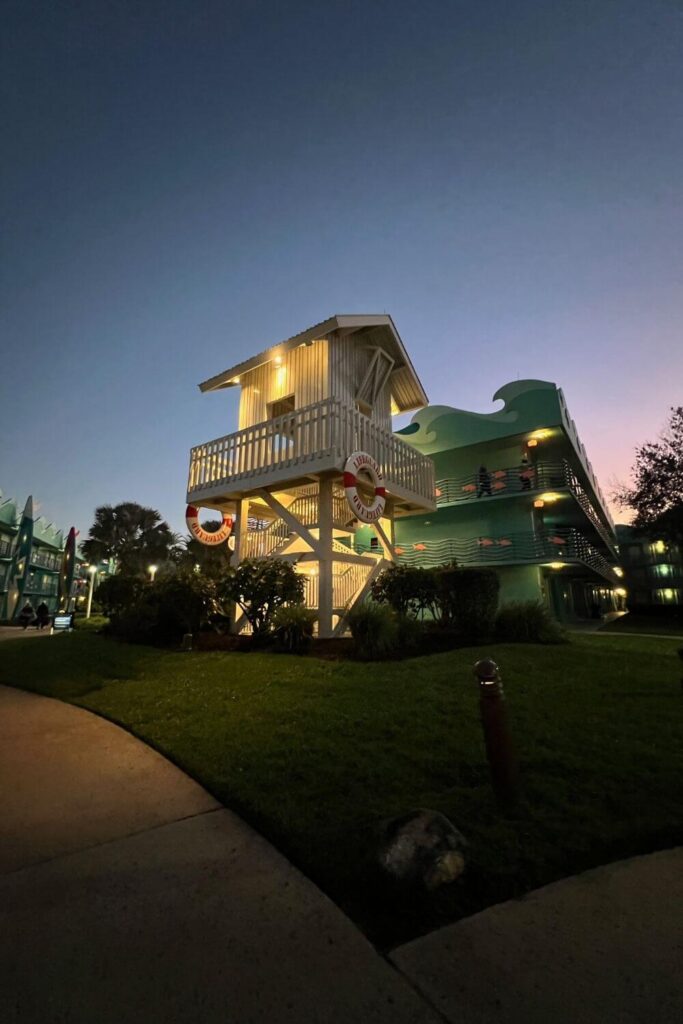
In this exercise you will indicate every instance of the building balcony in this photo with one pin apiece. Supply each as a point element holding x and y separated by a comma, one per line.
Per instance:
<point>512,481</point>
<point>292,449</point>
<point>45,560</point>
<point>557,549</point>
<point>5,548</point>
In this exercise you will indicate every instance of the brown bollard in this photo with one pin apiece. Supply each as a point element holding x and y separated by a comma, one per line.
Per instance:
<point>499,747</point>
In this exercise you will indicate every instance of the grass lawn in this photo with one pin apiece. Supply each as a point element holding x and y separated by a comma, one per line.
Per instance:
<point>634,623</point>
<point>315,753</point>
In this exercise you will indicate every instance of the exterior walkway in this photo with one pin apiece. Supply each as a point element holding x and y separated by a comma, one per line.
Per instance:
<point>127,893</point>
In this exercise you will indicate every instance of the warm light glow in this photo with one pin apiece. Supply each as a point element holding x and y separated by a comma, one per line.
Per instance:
<point>539,503</point>
<point>557,565</point>
<point>152,571</point>
<point>278,360</point>
<point>92,568</point>
<point>660,546</point>
<point>540,435</point>
<point>235,380</point>
<point>620,591</point>
<point>618,571</point>
<point>668,595</point>
<point>550,496</point>
<point>532,443</point>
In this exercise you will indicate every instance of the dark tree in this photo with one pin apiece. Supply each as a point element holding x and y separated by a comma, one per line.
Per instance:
<point>656,492</point>
<point>131,534</point>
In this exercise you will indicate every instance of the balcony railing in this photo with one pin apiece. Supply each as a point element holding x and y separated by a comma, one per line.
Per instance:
<point>44,560</point>
<point>315,438</point>
<point>5,548</point>
<point>510,548</point>
<point>543,476</point>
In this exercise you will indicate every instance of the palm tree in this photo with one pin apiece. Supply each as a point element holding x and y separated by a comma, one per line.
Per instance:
<point>132,534</point>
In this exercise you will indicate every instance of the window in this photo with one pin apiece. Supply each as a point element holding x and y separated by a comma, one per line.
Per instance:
<point>281,407</point>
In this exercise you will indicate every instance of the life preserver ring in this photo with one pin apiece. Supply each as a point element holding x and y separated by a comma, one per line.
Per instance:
<point>353,465</point>
<point>202,535</point>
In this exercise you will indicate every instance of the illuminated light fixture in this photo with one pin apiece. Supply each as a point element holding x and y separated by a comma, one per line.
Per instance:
<point>557,565</point>
<point>550,496</point>
<point>540,435</point>
<point>668,595</point>
<point>532,443</point>
<point>620,591</point>
<point>539,503</point>
<point>659,546</point>
<point>278,360</point>
<point>152,572</point>
<point>618,571</point>
<point>235,380</point>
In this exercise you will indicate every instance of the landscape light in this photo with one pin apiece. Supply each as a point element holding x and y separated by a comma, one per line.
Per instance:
<point>152,572</point>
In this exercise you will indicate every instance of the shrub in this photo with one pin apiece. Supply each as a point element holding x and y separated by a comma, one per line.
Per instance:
<point>411,634</point>
<point>163,611</point>
<point>375,631</point>
<point>117,593</point>
<point>469,601</point>
<point>409,590</point>
<point>260,586</point>
<point>293,628</point>
<point>528,622</point>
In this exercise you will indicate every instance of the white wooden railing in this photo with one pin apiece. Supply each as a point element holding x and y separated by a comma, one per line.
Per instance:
<point>325,431</point>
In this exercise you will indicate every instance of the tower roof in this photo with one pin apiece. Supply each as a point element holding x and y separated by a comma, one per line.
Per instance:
<point>406,387</point>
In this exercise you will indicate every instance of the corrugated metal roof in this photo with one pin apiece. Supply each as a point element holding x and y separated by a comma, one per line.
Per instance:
<point>377,328</point>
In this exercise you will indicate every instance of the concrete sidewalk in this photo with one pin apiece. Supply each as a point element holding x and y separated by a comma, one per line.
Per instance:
<point>19,633</point>
<point>600,948</point>
<point>128,894</point>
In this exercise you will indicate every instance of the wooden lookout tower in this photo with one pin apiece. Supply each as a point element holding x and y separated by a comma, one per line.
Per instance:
<point>307,406</point>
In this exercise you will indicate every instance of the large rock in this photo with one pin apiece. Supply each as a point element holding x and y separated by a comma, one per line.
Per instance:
<point>422,847</point>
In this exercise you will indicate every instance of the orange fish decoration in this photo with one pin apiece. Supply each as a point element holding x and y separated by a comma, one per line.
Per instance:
<point>420,547</point>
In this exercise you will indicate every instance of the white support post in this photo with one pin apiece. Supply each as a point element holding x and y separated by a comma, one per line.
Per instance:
<point>240,532</point>
<point>325,582</point>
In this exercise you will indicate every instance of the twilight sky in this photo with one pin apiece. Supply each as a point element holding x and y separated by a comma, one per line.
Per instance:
<point>187,181</point>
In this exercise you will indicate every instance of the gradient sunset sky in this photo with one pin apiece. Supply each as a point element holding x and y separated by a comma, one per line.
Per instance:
<point>186,182</point>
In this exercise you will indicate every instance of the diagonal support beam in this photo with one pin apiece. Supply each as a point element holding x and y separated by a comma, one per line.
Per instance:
<point>360,595</point>
<point>388,547</point>
<point>292,522</point>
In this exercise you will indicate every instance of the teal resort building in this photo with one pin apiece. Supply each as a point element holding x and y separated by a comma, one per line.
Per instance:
<point>515,491</point>
<point>38,561</point>
<point>653,571</point>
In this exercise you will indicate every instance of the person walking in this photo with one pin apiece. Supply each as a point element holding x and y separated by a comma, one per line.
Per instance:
<point>484,482</point>
<point>26,615</point>
<point>42,616</point>
<point>526,472</point>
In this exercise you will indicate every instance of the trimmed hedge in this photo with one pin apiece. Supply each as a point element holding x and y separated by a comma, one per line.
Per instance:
<point>469,601</point>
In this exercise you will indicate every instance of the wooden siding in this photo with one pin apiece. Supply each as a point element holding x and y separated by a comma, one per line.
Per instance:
<point>348,361</point>
<point>302,373</point>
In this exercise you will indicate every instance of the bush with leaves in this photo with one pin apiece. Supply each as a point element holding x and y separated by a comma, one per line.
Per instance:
<point>118,593</point>
<point>375,631</point>
<point>163,611</point>
<point>469,601</point>
<point>293,628</point>
<point>409,590</point>
<point>260,586</point>
<point>528,622</point>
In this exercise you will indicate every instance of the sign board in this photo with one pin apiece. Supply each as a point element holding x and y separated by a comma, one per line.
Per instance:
<point>63,620</point>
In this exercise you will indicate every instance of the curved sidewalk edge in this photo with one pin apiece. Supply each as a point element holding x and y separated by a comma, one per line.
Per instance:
<point>602,946</point>
<point>156,919</point>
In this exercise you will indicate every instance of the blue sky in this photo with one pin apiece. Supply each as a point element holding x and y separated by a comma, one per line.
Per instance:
<point>184,183</point>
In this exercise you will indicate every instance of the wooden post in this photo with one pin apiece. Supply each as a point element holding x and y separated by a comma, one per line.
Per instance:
<point>325,520</point>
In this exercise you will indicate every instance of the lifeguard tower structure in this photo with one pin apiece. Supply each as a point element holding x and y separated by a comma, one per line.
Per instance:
<point>307,405</point>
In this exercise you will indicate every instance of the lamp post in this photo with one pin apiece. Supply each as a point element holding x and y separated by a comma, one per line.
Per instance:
<point>92,569</point>
<point>152,569</point>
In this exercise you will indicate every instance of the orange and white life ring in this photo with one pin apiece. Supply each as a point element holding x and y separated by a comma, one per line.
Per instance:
<point>202,535</point>
<point>353,466</point>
